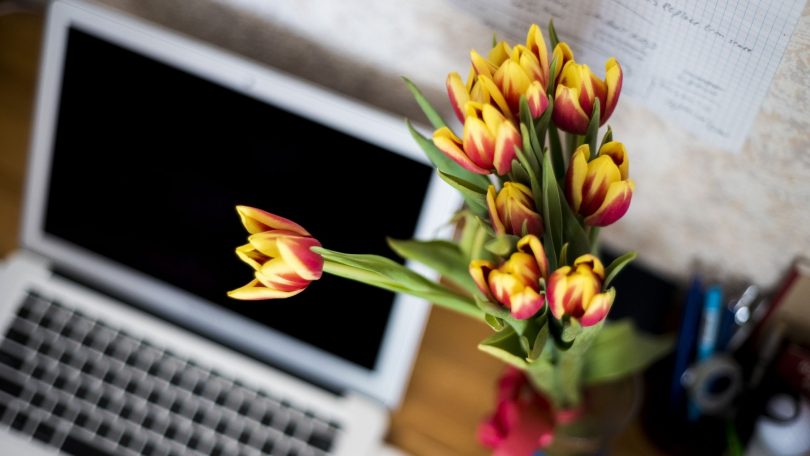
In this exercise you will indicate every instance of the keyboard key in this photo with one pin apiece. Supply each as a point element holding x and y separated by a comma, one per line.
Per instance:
<point>11,386</point>
<point>44,432</point>
<point>11,360</point>
<point>20,420</point>
<point>322,439</point>
<point>18,336</point>
<point>78,447</point>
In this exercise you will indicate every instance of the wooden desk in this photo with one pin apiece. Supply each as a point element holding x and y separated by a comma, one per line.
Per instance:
<point>453,383</point>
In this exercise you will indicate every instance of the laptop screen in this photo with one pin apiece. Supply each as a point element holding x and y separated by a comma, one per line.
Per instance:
<point>149,162</point>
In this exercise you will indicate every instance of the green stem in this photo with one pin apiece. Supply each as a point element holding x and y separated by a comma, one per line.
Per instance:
<point>438,295</point>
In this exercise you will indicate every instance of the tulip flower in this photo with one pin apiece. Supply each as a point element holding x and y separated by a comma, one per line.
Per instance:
<point>503,76</point>
<point>512,208</point>
<point>516,283</point>
<point>576,291</point>
<point>279,252</point>
<point>577,90</point>
<point>523,421</point>
<point>600,190</point>
<point>489,140</point>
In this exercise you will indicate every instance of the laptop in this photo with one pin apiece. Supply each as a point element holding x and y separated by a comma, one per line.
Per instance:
<point>116,335</point>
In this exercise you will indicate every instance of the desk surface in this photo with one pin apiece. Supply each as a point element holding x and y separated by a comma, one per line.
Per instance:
<point>452,386</point>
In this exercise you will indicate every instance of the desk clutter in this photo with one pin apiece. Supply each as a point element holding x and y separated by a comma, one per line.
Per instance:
<point>740,374</point>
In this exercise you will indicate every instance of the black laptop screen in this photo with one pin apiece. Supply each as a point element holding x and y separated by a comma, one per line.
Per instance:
<point>149,162</point>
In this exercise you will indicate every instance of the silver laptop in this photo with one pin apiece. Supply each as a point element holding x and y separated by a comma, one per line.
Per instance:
<point>116,335</point>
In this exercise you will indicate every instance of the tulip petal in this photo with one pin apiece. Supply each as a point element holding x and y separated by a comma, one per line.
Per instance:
<point>479,142</point>
<point>256,291</point>
<point>297,254</point>
<point>506,140</point>
<point>602,172</point>
<point>615,204</point>
<point>497,224</point>
<point>618,153</point>
<point>251,256</point>
<point>598,308</point>
<point>482,66</point>
<point>526,303</point>
<point>613,83</point>
<point>514,81</point>
<point>593,263</point>
<point>278,274</point>
<point>575,177</point>
<point>257,220</point>
<point>556,289</point>
<point>563,53</point>
<point>479,270</point>
<point>537,45</point>
<point>267,242</point>
<point>524,268</point>
<point>447,142</point>
<point>457,92</point>
<point>567,114</point>
<point>495,95</point>
<point>531,243</point>
<point>537,99</point>
<point>504,286</point>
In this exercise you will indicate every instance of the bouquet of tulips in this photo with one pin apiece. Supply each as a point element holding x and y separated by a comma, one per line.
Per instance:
<point>539,183</point>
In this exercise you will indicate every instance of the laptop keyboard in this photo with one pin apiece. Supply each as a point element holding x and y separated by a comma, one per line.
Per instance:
<point>88,388</point>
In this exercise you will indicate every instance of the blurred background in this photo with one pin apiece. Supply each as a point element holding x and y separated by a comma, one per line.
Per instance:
<point>738,216</point>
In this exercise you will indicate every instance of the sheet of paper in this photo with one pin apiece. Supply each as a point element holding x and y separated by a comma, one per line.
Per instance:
<point>706,65</point>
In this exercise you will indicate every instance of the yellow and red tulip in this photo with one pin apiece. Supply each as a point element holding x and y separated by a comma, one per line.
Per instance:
<point>279,252</point>
<point>489,140</point>
<point>512,208</point>
<point>576,291</point>
<point>576,92</point>
<point>516,283</point>
<point>600,190</point>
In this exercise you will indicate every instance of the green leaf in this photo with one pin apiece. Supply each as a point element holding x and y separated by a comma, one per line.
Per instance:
<point>539,344</point>
<point>519,173</point>
<point>542,373</point>
<point>494,322</point>
<point>541,127</point>
<point>573,232</point>
<point>505,345</point>
<point>572,363</point>
<point>433,116</point>
<point>619,350</point>
<point>548,246</point>
<point>482,237</point>
<point>552,213</point>
<point>491,308</point>
<point>551,80</point>
<point>564,254</point>
<point>534,181</point>
<point>442,162</point>
<point>557,159</point>
<point>616,267</point>
<point>389,275</point>
<point>552,34</point>
<point>475,197</point>
<point>444,257</point>
<point>608,137</point>
<point>591,136</point>
<point>534,143</point>
<point>502,245</point>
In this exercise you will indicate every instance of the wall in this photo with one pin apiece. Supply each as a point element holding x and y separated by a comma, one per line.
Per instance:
<point>742,215</point>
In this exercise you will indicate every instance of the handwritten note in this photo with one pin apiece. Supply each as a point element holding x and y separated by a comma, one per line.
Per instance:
<point>705,65</point>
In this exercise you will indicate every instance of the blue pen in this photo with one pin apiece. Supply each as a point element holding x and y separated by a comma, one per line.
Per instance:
<point>709,329</point>
<point>687,340</point>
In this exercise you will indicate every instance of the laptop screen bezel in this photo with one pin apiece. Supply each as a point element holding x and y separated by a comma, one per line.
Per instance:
<point>408,316</point>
